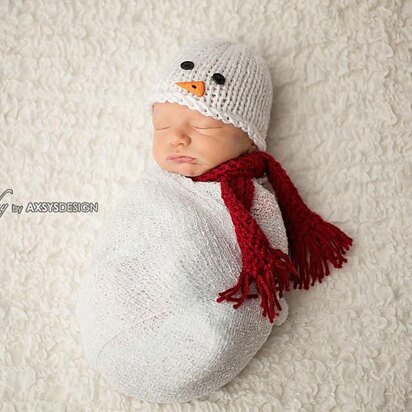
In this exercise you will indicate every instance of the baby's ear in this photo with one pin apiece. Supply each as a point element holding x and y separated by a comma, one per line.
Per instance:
<point>252,148</point>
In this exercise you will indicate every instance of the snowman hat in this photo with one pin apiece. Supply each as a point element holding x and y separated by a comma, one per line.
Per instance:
<point>220,79</point>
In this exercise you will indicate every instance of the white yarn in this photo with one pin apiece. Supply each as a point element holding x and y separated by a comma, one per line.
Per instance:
<point>147,309</point>
<point>245,98</point>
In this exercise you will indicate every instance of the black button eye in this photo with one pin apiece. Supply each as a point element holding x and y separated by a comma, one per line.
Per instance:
<point>187,65</point>
<point>219,78</point>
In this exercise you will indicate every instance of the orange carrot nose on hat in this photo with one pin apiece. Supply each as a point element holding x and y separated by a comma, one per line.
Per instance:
<point>221,79</point>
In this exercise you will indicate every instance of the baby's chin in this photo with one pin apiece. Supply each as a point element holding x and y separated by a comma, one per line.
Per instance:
<point>185,169</point>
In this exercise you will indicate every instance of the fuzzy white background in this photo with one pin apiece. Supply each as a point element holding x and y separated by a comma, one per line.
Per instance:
<point>73,127</point>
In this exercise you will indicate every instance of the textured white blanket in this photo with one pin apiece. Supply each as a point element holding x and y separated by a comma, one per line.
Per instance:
<point>73,79</point>
<point>149,318</point>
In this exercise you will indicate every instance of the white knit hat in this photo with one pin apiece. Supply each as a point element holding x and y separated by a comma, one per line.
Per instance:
<point>221,79</point>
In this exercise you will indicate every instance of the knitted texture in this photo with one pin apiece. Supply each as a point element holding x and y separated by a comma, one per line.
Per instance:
<point>221,79</point>
<point>147,309</point>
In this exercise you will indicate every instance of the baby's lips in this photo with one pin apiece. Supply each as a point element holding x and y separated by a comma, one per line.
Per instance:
<point>195,87</point>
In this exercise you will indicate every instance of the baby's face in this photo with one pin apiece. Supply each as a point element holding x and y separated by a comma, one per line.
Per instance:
<point>181,131</point>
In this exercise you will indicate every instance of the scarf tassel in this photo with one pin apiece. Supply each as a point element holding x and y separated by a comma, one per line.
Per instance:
<point>322,241</point>
<point>280,265</point>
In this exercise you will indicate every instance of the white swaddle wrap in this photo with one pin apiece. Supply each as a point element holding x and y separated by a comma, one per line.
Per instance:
<point>147,309</point>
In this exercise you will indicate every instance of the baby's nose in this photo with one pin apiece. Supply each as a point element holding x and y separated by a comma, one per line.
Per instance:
<point>180,138</point>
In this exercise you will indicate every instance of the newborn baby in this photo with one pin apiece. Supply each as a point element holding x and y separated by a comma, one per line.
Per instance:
<point>200,229</point>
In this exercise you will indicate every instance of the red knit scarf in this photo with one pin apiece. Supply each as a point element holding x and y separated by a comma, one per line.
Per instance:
<point>312,241</point>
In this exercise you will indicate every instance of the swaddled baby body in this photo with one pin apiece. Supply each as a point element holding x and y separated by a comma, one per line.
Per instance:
<point>189,230</point>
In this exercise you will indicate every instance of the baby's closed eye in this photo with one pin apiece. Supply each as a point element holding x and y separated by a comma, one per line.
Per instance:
<point>193,127</point>
<point>206,127</point>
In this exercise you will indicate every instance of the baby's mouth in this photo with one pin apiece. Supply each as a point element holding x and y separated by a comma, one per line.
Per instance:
<point>183,159</point>
<point>180,158</point>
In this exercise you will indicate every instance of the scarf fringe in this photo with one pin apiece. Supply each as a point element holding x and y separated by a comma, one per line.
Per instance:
<point>280,267</point>
<point>322,241</point>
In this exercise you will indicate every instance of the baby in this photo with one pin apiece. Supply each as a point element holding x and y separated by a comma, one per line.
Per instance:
<point>203,227</point>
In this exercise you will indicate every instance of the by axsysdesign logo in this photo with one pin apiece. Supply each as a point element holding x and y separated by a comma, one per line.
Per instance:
<point>48,207</point>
